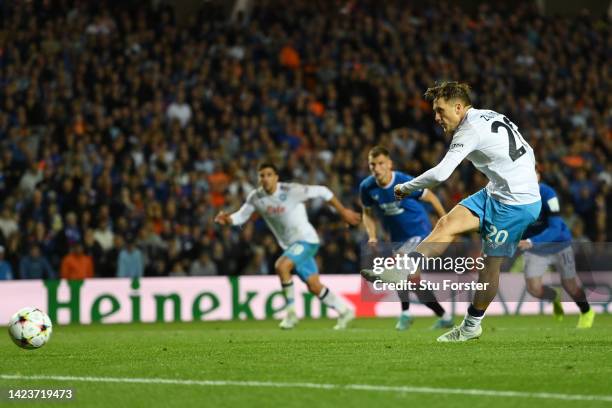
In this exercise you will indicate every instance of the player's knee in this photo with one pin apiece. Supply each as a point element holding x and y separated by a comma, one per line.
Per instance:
<point>283,267</point>
<point>443,227</point>
<point>534,289</point>
<point>314,286</point>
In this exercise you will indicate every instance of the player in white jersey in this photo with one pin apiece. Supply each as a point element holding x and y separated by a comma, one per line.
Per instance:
<point>501,211</point>
<point>282,207</point>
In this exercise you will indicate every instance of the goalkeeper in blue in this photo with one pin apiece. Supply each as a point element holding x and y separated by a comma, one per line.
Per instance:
<point>548,242</point>
<point>406,222</point>
<point>501,211</point>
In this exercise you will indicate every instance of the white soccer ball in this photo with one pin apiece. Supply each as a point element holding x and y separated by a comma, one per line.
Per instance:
<point>30,328</point>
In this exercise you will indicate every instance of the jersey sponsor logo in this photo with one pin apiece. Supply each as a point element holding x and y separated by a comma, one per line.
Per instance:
<point>392,208</point>
<point>275,209</point>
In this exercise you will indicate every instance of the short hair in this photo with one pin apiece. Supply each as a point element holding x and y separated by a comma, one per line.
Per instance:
<point>267,165</point>
<point>378,150</point>
<point>449,90</point>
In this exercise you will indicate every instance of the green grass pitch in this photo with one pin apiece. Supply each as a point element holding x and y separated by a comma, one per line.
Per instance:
<point>523,354</point>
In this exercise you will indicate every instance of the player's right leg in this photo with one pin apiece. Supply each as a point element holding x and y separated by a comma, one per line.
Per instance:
<point>535,267</point>
<point>283,267</point>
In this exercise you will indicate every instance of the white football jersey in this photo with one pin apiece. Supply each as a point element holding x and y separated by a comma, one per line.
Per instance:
<point>284,211</point>
<point>495,147</point>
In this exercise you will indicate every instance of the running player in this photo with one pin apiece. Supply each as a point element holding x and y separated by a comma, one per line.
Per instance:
<point>282,207</point>
<point>406,222</point>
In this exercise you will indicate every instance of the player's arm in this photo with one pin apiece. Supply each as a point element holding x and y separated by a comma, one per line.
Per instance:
<point>429,197</point>
<point>348,215</point>
<point>463,143</point>
<point>308,192</point>
<point>237,218</point>
<point>553,227</point>
<point>369,222</point>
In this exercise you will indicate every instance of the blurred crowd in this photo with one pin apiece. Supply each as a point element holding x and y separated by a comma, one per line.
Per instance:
<point>123,132</point>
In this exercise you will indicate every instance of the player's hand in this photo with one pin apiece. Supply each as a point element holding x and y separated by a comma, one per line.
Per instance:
<point>399,194</point>
<point>525,244</point>
<point>351,217</point>
<point>223,218</point>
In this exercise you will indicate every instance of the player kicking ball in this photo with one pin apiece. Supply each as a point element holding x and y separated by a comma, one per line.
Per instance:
<point>547,242</point>
<point>501,212</point>
<point>282,207</point>
<point>406,221</point>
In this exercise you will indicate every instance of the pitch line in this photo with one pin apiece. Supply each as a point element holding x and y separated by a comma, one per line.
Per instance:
<point>340,387</point>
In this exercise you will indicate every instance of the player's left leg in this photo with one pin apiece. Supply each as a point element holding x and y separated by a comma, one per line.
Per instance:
<point>327,297</point>
<point>405,320</point>
<point>566,266</point>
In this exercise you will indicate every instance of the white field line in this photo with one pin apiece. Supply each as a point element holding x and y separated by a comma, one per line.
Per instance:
<point>340,387</point>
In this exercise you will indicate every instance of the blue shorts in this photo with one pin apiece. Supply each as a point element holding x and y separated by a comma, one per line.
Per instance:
<point>302,254</point>
<point>501,225</point>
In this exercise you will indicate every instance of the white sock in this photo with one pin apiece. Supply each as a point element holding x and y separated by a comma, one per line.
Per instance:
<point>471,323</point>
<point>329,299</point>
<point>447,316</point>
<point>289,294</point>
<point>405,313</point>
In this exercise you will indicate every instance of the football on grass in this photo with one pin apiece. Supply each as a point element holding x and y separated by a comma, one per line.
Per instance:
<point>30,328</point>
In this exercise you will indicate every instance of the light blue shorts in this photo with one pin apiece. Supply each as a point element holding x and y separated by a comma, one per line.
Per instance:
<point>501,225</point>
<point>302,254</point>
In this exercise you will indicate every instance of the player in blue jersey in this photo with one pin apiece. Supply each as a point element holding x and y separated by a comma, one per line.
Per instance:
<point>548,242</point>
<point>406,222</point>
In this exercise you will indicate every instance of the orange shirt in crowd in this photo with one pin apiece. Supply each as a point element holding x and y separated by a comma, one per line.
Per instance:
<point>75,266</point>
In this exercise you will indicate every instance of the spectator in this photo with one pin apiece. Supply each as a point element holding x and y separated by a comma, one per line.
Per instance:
<point>35,265</point>
<point>77,264</point>
<point>203,266</point>
<point>6,272</point>
<point>131,262</point>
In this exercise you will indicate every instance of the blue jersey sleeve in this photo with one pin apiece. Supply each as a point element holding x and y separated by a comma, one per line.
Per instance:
<point>551,209</point>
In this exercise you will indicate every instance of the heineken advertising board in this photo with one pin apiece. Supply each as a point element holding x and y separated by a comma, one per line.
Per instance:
<point>121,300</point>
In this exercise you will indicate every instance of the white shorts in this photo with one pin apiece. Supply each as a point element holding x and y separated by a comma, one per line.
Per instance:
<point>537,265</point>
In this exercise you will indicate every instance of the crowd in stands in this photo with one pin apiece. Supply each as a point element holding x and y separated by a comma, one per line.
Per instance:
<point>123,132</point>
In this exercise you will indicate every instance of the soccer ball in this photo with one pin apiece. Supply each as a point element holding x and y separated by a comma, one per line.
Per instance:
<point>30,328</point>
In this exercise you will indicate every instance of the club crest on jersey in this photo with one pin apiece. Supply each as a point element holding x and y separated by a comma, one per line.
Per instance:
<point>275,210</point>
<point>282,197</point>
<point>375,196</point>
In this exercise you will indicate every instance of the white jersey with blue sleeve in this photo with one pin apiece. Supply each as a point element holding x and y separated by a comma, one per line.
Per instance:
<point>495,147</point>
<point>284,211</point>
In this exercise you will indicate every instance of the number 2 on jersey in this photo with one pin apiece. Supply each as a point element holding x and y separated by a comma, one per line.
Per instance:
<point>509,126</point>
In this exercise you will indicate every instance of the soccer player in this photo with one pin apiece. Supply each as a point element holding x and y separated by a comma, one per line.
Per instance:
<point>501,211</point>
<point>282,207</point>
<point>547,242</point>
<point>406,221</point>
